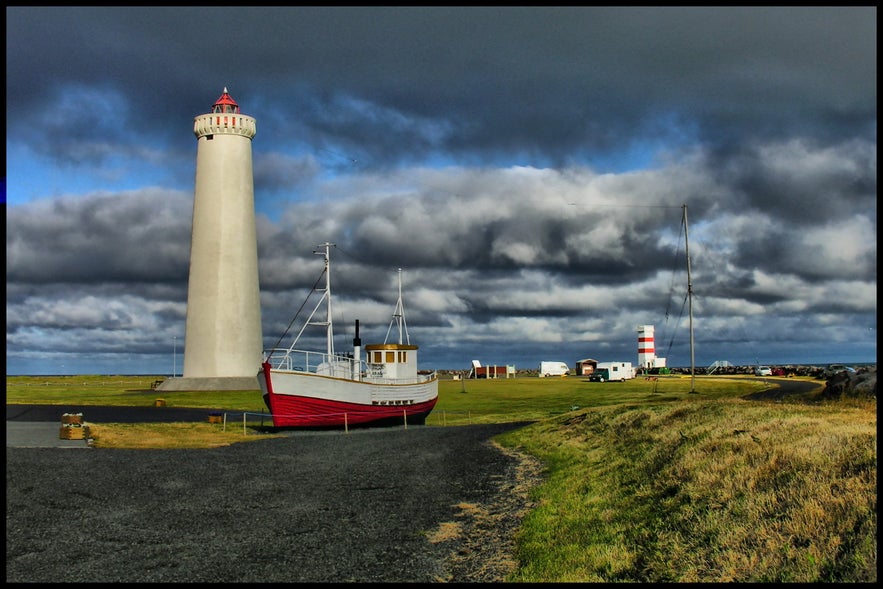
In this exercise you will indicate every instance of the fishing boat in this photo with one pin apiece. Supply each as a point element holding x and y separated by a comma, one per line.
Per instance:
<point>320,388</point>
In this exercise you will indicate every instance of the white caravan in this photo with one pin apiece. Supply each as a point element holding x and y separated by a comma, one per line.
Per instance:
<point>617,370</point>
<point>553,369</point>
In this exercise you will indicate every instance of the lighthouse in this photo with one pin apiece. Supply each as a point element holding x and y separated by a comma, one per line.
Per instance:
<point>646,346</point>
<point>647,349</point>
<point>223,342</point>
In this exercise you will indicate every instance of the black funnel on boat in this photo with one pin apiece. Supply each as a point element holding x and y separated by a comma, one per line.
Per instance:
<point>357,341</point>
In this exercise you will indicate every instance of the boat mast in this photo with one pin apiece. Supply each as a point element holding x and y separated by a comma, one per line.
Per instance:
<point>329,328</point>
<point>690,303</point>
<point>398,317</point>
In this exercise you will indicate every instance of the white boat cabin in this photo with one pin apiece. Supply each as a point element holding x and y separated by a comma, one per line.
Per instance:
<point>394,361</point>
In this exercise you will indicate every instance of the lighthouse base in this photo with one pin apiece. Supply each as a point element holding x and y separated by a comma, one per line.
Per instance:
<point>215,383</point>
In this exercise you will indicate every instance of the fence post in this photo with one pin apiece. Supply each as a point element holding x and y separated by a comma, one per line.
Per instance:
<point>346,428</point>
<point>405,417</point>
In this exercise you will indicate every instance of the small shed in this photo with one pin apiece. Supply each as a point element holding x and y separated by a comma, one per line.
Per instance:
<point>479,371</point>
<point>585,367</point>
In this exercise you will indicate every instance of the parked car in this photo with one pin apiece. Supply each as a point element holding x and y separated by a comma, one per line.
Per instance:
<point>838,368</point>
<point>600,375</point>
<point>763,371</point>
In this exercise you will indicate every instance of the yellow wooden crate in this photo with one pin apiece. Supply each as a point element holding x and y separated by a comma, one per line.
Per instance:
<point>74,432</point>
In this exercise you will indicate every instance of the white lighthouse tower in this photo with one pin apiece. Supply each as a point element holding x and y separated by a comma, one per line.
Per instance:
<point>223,343</point>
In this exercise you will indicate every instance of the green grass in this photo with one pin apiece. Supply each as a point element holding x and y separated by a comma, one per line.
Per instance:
<point>464,401</point>
<point>531,398</point>
<point>723,490</point>
<point>644,481</point>
<point>121,391</point>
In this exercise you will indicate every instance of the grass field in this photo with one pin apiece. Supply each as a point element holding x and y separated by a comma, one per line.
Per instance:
<point>486,401</point>
<point>643,481</point>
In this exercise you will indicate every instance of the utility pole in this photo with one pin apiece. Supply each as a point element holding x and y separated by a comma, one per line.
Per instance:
<point>690,303</point>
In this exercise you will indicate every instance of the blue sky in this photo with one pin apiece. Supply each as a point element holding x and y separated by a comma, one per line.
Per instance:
<point>526,168</point>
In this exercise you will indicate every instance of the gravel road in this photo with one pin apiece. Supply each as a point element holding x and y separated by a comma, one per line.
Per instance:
<point>423,504</point>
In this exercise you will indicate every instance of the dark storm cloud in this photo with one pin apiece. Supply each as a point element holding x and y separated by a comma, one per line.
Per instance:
<point>389,84</point>
<point>801,180</point>
<point>131,238</point>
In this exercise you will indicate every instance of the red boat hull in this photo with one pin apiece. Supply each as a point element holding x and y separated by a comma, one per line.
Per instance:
<point>298,411</point>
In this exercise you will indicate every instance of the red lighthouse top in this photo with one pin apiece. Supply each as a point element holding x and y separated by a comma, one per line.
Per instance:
<point>225,104</point>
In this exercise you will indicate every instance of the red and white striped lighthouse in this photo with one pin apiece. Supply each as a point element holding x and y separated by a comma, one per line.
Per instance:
<point>646,347</point>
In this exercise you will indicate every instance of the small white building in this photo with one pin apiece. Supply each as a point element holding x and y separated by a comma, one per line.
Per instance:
<point>585,367</point>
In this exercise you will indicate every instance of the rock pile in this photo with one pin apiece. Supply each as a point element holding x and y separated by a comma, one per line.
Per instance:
<point>859,384</point>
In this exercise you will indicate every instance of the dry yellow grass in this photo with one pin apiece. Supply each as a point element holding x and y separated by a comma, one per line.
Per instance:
<point>171,435</point>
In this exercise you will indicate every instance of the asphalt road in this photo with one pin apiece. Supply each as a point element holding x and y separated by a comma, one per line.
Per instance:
<point>99,414</point>
<point>371,505</point>
<point>781,387</point>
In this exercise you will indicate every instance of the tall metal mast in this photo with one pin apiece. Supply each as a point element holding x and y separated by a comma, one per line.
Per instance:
<point>690,303</point>
<point>329,327</point>
<point>398,317</point>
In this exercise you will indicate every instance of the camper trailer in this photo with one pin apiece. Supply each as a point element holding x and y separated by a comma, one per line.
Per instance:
<point>553,369</point>
<point>614,371</point>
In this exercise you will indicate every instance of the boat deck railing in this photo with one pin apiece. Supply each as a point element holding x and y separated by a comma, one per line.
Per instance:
<point>312,362</point>
<point>409,380</point>
<point>339,366</point>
